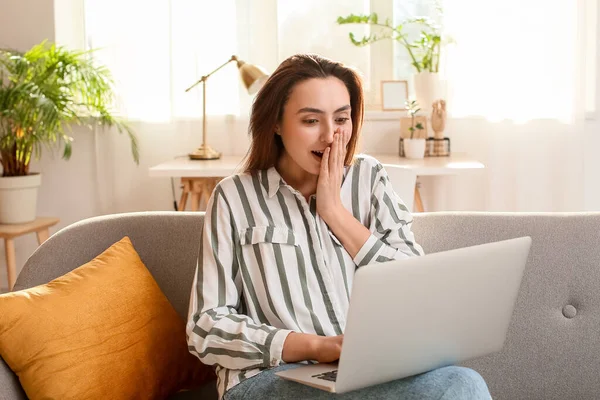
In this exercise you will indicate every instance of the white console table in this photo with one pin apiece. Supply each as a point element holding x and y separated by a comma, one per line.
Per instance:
<point>199,177</point>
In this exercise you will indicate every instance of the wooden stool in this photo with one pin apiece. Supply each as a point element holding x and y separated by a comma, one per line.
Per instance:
<point>200,189</point>
<point>10,231</point>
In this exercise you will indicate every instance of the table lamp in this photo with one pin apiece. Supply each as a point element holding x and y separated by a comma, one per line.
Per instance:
<point>253,78</point>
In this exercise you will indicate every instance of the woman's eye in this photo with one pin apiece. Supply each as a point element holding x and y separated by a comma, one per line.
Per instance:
<point>310,121</point>
<point>342,120</point>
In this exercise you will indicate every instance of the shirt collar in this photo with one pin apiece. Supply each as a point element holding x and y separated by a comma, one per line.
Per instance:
<point>271,181</point>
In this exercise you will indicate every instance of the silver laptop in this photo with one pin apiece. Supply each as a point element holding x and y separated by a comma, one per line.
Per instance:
<point>410,316</point>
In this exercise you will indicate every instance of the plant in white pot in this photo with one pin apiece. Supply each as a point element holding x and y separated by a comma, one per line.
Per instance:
<point>414,147</point>
<point>424,49</point>
<point>43,92</point>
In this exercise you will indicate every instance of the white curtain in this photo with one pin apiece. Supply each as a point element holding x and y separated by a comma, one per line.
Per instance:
<point>309,26</point>
<point>517,81</point>
<point>517,60</point>
<point>518,93</point>
<point>155,49</point>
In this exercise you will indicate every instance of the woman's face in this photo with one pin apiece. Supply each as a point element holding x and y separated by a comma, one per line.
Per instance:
<point>315,109</point>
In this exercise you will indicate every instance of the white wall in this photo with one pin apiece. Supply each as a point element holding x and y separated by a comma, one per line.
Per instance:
<point>24,23</point>
<point>530,167</point>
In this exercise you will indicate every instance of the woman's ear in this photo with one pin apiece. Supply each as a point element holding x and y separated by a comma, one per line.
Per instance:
<point>277,131</point>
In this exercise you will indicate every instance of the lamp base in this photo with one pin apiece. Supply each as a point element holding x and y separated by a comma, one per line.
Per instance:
<point>205,152</point>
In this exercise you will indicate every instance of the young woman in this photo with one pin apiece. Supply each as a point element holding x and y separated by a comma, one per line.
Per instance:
<point>281,243</point>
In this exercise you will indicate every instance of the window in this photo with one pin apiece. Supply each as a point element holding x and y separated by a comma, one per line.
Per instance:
<point>154,58</point>
<point>511,59</point>
<point>156,49</point>
<point>516,59</point>
<point>309,26</point>
<point>402,10</point>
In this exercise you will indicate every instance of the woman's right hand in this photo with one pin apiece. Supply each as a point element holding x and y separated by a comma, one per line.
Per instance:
<point>304,346</point>
<point>328,348</point>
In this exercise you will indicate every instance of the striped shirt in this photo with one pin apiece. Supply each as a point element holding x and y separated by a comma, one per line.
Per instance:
<point>270,265</point>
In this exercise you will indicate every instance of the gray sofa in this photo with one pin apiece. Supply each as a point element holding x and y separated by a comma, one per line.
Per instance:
<point>553,345</point>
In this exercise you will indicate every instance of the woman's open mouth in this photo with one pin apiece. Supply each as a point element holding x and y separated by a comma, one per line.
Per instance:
<point>317,153</point>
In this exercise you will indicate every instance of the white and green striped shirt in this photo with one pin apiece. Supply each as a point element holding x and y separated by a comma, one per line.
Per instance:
<point>270,265</point>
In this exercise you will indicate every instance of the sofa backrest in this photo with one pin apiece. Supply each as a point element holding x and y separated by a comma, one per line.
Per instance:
<point>553,346</point>
<point>167,242</point>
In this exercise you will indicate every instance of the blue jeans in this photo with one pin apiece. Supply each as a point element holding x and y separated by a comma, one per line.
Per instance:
<point>448,383</point>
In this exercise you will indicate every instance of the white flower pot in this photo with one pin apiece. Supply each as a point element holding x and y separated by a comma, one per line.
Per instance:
<point>414,148</point>
<point>427,89</point>
<point>18,198</point>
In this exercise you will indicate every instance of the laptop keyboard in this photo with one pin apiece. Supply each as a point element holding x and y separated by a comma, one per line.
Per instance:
<point>328,376</point>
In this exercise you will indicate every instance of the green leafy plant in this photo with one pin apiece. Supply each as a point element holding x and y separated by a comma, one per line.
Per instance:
<point>424,51</point>
<point>43,92</point>
<point>413,108</point>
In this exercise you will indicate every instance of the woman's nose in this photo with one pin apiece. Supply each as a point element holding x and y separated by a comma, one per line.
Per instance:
<point>327,134</point>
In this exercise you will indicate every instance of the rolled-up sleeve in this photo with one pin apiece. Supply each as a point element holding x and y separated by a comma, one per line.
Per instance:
<point>390,225</point>
<point>216,332</point>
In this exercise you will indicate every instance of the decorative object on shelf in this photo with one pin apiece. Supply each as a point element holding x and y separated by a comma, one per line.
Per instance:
<point>438,125</point>
<point>406,124</point>
<point>438,118</point>
<point>414,126</point>
<point>414,147</point>
<point>253,78</point>
<point>394,95</point>
<point>437,147</point>
<point>43,92</point>
<point>427,88</point>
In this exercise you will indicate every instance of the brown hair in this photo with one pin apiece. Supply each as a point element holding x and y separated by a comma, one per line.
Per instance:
<point>267,109</point>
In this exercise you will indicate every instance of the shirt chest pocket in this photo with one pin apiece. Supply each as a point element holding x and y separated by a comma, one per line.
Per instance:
<point>268,234</point>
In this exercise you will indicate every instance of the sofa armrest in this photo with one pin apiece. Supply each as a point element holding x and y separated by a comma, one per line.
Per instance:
<point>10,388</point>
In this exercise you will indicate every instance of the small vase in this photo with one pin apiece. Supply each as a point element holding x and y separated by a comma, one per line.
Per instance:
<point>414,148</point>
<point>427,89</point>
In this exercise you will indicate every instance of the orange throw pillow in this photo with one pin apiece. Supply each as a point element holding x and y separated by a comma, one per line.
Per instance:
<point>102,331</point>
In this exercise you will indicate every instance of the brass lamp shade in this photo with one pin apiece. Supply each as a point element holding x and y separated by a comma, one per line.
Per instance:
<point>253,78</point>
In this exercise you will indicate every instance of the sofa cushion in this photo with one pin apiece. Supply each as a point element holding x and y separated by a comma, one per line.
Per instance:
<point>103,330</point>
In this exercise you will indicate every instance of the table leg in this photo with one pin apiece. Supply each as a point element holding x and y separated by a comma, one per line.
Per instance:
<point>418,201</point>
<point>207,188</point>
<point>195,201</point>
<point>199,190</point>
<point>183,200</point>
<point>11,262</point>
<point>187,187</point>
<point>42,235</point>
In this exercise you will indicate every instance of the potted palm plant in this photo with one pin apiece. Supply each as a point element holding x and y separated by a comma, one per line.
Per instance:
<point>424,50</point>
<point>43,93</point>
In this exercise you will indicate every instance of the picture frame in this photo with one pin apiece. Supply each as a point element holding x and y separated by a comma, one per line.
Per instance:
<point>394,95</point>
